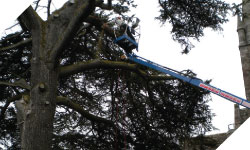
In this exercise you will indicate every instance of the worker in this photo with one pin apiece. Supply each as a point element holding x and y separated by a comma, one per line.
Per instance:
<point>125,29</point>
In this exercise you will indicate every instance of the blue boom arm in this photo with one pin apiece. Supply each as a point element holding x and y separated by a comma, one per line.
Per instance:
<point>194,81</point>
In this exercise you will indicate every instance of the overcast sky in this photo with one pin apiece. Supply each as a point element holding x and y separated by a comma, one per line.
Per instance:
<point>215,57</point>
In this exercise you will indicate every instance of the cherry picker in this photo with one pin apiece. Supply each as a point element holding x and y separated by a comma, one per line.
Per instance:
<point>124,39</point>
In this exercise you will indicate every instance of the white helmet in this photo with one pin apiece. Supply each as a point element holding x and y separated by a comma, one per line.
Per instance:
<point>119,21</point>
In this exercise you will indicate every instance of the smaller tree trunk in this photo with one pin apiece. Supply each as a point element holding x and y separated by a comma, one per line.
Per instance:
<point>37,129</point>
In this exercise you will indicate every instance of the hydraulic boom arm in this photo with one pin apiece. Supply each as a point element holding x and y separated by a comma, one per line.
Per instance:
<point>194,81</point>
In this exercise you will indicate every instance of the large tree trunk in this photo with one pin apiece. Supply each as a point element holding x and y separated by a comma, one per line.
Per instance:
<point>37,129</point>
<point>244,44</point>
<point>49,39</point>
<point>38,124</point>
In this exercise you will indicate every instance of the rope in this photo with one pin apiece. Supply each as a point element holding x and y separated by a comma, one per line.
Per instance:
<point>124,115</point>
<point>116,113</point>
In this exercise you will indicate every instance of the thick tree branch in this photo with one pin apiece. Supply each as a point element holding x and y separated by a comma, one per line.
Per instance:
<point>101,25</point>
<point>13,46</point>
<point>11,37</point>
<point>20,83</point>
<point>9,100</point>
<point>67,102</point>
<point>29,19</point>
<point>74,14</point>
<point>95,64</point>
<point>106,64</point>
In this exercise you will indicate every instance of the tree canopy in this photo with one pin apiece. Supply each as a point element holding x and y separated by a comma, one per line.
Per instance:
<point>70,66</point>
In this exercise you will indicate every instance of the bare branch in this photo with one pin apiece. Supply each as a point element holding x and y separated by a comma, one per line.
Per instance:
<point>37,4</point>
<point>20,83</point>
<point>12,26</point>
<point>48,8</point>
<point>27,41</point>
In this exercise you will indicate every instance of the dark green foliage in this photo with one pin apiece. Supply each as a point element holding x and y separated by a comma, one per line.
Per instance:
<point>158,113</point>
<point>189,18</point>
<point>15,63</point>
<point>9,132</point>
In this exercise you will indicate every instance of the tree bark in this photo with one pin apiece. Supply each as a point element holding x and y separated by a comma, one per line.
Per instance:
<point>37,128</point>
<point>38,123</point>
<point>49,38</point>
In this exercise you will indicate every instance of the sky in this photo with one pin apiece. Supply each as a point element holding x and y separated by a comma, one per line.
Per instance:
<point>215,57</point>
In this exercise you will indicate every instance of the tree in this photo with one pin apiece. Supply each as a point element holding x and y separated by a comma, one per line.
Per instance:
<point>72,90</point>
